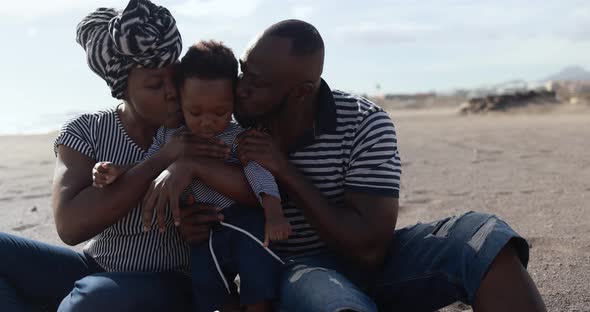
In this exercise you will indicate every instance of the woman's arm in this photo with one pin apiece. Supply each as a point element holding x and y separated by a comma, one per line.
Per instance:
<point>82,211</point>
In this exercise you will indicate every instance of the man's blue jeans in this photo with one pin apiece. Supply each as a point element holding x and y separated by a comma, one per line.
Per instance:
<point>39,277</point>
<point>428,266</point>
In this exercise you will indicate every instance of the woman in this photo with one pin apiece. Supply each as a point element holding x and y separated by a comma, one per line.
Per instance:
<point>123,267</point>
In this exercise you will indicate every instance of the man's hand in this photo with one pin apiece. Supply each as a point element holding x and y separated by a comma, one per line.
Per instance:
<point>104,173</point>
<point>166,189</point>
<point>196,220</point>
<point>257,146</point>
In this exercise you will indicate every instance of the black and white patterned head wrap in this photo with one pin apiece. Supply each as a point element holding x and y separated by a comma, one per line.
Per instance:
<point>143,34</point>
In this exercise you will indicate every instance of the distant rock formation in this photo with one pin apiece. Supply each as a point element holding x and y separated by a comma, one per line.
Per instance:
<point>506,102</point>
<point>571,73</point>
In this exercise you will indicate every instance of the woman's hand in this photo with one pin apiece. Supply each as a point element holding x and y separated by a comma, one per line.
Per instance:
<point>166,189</point>
<point>187,145</point>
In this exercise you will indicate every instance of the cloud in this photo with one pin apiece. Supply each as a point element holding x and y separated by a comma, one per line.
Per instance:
<point>32,9</point>
<point>464,22</point>
<point>383,33</point>
<point>216,9</point>
<point>32,32</point>
<point>302,12</point>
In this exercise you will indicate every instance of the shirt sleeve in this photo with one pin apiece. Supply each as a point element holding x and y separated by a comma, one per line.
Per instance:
<point>261,181</point>
<point>374,164</point>
<point>162,136</point>
<point>77,135</point>
<point>157,143</point>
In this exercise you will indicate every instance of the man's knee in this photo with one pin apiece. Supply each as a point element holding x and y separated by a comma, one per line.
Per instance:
<point>309,288</point>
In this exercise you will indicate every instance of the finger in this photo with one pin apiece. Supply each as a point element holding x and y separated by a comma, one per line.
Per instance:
<point>148,209</point>
<point>101,169</point>
<point>100,179</point>
<point>254,140</point>
<point>187,201</point>
<point>243,136</point>
<point>200,215</point>
<point>197,238</point>
<point>249,154</point>
<point>209,150</point>
<point>251,133</point>
<point>190,200</point>
<point>201,230</point>
<point>201,218</point>
<point>175,209</point>
<point>266,238</point>
<point>161,212</point>
<point>258,133</point>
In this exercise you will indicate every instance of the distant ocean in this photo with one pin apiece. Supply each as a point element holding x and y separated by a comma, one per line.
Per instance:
<point>33,120</point>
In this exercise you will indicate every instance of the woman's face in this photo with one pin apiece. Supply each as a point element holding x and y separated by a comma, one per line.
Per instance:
<point>152,94</point>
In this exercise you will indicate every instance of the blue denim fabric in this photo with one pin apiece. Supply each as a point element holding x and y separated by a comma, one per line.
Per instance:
<point>428,266</point>
<point>237,254</point>
<point>39,277</point>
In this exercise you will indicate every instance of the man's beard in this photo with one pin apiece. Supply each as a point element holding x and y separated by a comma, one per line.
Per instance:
<point>262,121</point>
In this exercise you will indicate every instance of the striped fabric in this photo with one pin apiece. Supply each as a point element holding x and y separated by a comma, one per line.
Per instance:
<point>143,34</point>
<point>260,179</point>
<point>353,148</point>
<point>124,246</point>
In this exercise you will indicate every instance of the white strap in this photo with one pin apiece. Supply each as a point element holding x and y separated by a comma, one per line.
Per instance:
<point>247,234</point>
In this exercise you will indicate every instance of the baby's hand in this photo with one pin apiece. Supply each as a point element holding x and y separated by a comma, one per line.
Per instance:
<point>276,228</point>
<point>104,173</point>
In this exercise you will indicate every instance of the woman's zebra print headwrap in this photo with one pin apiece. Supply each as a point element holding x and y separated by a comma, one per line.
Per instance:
<point>144,34</point>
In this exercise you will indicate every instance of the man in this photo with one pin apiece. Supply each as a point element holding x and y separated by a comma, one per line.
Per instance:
<point>335,157</point>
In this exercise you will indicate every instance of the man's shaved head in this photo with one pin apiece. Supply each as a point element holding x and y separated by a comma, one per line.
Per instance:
<point>305,38</point>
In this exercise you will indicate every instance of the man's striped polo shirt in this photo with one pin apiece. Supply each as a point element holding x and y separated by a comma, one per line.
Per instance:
<point>353,147</point>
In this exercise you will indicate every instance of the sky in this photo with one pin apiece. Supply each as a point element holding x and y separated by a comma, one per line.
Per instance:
<point>401,46</point>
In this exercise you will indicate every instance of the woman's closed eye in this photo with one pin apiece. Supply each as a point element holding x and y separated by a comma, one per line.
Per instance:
<point>155,84</point>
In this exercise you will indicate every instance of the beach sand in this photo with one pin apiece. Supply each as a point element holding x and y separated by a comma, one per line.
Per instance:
<point>533,171</point>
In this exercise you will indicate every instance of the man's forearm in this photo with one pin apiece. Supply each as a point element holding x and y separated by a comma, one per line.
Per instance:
<point>333,223</point>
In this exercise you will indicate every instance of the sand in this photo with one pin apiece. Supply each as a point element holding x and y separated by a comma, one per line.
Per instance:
<point>531,170</point>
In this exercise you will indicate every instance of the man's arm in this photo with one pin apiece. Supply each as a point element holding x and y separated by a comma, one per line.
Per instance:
<point>361,229</point>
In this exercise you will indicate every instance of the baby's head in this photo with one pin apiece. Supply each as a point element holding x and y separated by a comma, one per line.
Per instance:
<point>206,81</point>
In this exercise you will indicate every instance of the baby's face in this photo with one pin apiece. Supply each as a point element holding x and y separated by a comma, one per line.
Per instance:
<point>207,105</point>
